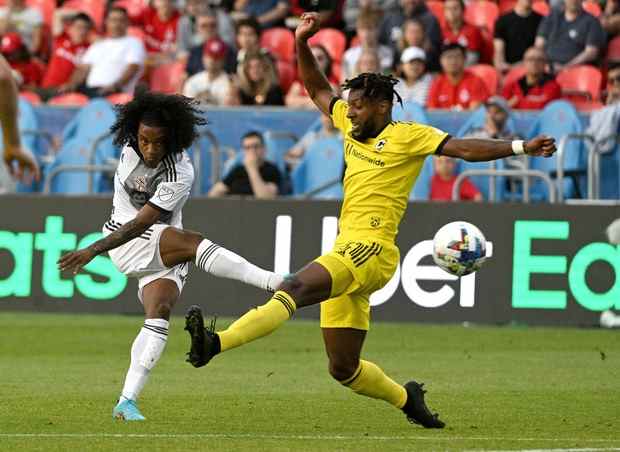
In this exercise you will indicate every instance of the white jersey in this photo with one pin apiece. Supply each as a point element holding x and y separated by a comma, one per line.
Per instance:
<point>165,188</point>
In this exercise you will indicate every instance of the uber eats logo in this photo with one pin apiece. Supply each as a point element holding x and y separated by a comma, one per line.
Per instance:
<point>527,264</point>
<point>100,280</point>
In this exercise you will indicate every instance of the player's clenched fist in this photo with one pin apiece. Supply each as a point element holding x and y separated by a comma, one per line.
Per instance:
<point>542,146</point>
<point>76,260</point>
<point>309,25</point>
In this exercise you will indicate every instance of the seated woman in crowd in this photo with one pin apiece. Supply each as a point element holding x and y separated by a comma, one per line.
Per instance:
<point>415,81</point>
<point>257,83</point>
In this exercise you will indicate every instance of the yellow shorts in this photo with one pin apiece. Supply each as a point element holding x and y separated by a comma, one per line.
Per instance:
<point>358,267</point>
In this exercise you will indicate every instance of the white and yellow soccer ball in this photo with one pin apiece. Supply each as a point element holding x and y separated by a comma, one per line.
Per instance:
<point>459,248</point>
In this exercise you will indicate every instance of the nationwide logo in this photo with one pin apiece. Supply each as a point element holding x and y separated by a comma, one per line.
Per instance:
<point>351,151</point>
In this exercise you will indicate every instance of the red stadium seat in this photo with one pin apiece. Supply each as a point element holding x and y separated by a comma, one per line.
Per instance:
<point>613,49</point>
<point>31,97</point>
<point>280,42</point>
<point>286,74</point>
<point>69,99</point>
<point>541,7</point>
<point>168,78</point>
<point>488,74</point>
<point>436,7</point>
<point>482,14</point>
<point>487,50</point>
<point>514,74</point>
<point>94,8</point>
<point>133,7</point>
<point>505,6</point>
<point>46,7</point>
<point>581,85</point>
<point>119,98</point>
<point>592,8</point>
<point>333,40</point>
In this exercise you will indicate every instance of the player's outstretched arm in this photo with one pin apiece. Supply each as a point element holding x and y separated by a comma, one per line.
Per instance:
<point>481,150</point>
<point>317,85</point>
<point>147,217</point>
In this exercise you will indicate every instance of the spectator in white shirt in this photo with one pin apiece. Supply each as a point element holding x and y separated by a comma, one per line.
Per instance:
<point>415,81</point>
<point>28,22</point>
<point>368,34</point>
<point>212,85</point>
<point>113,64</point>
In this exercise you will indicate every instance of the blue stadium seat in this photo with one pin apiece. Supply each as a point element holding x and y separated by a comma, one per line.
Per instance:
<point>610,175</point>
<point>91,123</point>
<point>410,111</point>
<point>30,140</point>
<point>322,162</point>
<point>558,119</point>
<point>278,143</point>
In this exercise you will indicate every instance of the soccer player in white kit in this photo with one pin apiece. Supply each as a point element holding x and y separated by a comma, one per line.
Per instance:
<point>144,235</point>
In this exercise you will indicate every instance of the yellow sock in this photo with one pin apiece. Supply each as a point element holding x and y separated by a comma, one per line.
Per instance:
<point>258,322</point>
<point>369,380</point>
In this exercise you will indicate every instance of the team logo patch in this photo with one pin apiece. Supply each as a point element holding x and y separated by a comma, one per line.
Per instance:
<point>140,182</point>
<point>375,222</point>
<point>380,144</point>
<point>165,194</point>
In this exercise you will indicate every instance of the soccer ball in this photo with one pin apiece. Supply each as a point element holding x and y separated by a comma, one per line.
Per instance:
<point>459,248</point>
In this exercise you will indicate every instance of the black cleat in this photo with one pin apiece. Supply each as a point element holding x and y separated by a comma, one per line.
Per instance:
<point>205,343</point>
<point>416,410</point>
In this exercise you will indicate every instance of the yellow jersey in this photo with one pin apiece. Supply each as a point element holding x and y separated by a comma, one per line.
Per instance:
<point>380,173</point>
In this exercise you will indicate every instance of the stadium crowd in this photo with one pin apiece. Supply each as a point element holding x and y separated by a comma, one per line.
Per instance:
<point>448,54</point>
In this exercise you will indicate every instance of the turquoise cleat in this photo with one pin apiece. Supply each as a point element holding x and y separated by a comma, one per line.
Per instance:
<point>127,411</point>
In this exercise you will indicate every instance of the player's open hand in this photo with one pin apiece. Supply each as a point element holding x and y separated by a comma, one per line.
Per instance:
<point>541,146</point>
<point>310,24</point>
<point>21,164</point>
<point>74,261</point>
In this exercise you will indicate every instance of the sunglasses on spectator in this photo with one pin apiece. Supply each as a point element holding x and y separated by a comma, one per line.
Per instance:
<point>207,25</point>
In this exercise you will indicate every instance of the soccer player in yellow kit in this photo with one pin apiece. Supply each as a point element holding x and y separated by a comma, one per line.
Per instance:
<point>383,159</point>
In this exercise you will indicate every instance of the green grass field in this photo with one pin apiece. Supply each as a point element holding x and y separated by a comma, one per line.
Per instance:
<point>497,388</point>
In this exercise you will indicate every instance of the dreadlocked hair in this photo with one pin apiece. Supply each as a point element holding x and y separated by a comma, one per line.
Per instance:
<point>178,114</point>
<point>375,86</point>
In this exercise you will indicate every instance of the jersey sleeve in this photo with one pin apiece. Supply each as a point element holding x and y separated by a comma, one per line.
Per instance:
<point>338,109</point>
<point>425,140</point>
<point>175,189</point>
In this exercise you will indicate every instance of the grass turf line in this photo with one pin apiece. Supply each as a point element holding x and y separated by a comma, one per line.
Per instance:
<point>497,388</point>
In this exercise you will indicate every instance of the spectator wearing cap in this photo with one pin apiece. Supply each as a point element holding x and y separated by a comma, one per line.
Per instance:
<point>26,21</point>
<point>207,26</point>
<point>443,181</point>
<point>390,30</point>
<point>113,64</point>
<point>415,81</point>
<point>515,32</point>
<point>159,23</point>
<point>268,13</point>
<point>28,72</point>
<point>495,121</point>
<point>367,28</point>
<point>455,29</point>
<point>213,85</point>
<point>189,28</point>
<point>536,88</point>
<point>456,88</point>
<point>297,96</point>
<point>68,49</point>
<point>570,36</point>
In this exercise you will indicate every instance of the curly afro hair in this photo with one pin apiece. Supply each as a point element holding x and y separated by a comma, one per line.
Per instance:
<point>375,86</point>
<point>178,114</point>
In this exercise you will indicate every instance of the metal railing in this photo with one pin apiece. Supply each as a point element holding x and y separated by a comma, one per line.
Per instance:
<point>560,156</point>
<point>500,173</point>
<point>92,150</point>
<point>75,168</point>
<point>594,164</point>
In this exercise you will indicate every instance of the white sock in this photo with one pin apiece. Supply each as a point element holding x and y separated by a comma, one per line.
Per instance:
<point>145,352</point>
<point>221,262</point>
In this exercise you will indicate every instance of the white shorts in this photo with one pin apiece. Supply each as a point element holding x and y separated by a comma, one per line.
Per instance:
<point>140,258</point>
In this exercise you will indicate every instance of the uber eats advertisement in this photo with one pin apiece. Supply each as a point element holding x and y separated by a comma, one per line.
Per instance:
<point>546,264</point>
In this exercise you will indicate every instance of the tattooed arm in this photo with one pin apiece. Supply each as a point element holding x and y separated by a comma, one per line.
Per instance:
<point>147,217</point>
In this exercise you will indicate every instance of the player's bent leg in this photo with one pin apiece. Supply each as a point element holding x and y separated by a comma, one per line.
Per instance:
<point>177,246</point>
<point>310,285</point>
<point>158,297</point>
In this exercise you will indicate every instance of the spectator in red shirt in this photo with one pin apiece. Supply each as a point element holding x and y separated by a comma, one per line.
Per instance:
<point>443,180</point>
<point>26,70</point>
<point>456,30</point>
<point>68,50</point>
<point>456,88</point>
<point>536,88</point>
<point>160,29</point>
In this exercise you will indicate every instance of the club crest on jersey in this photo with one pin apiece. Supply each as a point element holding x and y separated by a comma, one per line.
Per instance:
<point>380,144</point>
<point>140,182</point>
<point>165,194</point>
